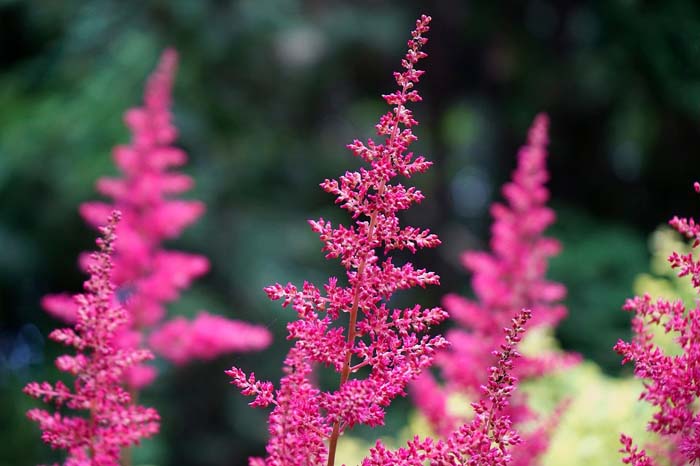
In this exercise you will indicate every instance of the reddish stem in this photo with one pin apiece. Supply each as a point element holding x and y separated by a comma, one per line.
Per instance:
<point>345,372</point>
<point>352,328</point>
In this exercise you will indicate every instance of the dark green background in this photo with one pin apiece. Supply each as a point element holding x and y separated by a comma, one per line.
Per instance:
<point>268,94</point>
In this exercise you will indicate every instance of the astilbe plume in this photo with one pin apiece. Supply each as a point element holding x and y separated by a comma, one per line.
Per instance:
<point>147,275</point>
<point>389,345</point>
<point>111,420</point>
<point>671,382</point>
<point>505,280</point>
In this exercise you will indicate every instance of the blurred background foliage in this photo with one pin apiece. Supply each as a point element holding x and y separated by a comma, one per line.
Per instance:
<point>268,93</point>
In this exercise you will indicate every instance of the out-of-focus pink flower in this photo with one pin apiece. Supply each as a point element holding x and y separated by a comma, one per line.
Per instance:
<point>206,337</point>
<point>505,280</point>
<point>110,421</point>
<point>62,306</point>
<point>146,275</point>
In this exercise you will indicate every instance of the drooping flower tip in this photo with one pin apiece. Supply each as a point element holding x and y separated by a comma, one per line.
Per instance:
<point>520,320</point>
<point>422,25</point>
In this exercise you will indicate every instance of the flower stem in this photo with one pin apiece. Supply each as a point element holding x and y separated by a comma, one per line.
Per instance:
<point>352,328</point>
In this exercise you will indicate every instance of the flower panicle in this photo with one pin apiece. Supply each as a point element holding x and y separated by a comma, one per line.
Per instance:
<point>509,277</point>
<point>111,420</point>
<point>670,381</point>
<point>380,349</point>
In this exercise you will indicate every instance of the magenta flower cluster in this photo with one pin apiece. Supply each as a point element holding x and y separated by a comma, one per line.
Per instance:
<point>111,421</point>
<point>147,275</point>
<point>671,382</point>
<point>507,279</point>
<point>381,348</point>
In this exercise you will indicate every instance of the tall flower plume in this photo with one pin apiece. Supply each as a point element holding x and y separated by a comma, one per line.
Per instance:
<point>111,420</point>
<point>387,346</point>
<point>147,275</point>
<point>671,382</point>
<point>508,278</point>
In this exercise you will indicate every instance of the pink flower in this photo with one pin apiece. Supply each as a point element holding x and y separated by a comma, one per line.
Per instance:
<point>111,420</point>
<point>206,337</point>
<point>671,383</point>
<point>633,455</point>
<point>505,280</point>
<point>61,306</point>
<point>380,348</point>
<point>147,276</point>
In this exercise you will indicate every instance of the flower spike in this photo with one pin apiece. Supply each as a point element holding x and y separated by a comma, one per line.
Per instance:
<point>111,421</point>
<point>147,275</point>
<point>506,279</point>
<point>381,348</point>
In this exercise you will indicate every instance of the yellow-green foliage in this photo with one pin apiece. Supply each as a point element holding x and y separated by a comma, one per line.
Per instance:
<point>588,435</point>
<point>351,450</point>
<point>601,408</point>
<point>663,280</point>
